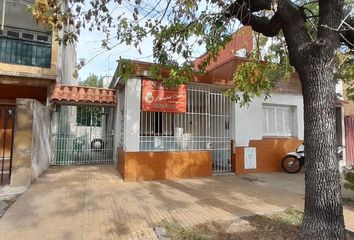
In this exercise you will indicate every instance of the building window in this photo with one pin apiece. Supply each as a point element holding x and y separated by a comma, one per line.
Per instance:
<point>204,126</point>
<point>156,124</point>
<point>27,36</point>
<point>277,121</point>
<point>42,38</point>
<point>13,34</point>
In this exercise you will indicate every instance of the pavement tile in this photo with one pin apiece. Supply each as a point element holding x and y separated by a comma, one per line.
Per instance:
<point>92,202</point>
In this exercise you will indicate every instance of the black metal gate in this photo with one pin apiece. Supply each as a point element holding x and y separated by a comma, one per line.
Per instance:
<point>7,124</point>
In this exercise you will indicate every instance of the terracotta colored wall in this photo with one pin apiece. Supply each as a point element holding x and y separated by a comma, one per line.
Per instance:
<point>139,166</point>
<point>269,153</point>
<point>243,38</point>
<point>9,91</point>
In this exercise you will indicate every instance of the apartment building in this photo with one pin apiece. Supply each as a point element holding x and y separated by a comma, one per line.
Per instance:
<point>31,64</point>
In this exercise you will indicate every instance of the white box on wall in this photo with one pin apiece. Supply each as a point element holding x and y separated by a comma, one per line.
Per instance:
<point>250,158</point>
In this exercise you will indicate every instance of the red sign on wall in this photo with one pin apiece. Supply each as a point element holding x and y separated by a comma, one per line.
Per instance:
<point>157,98</point>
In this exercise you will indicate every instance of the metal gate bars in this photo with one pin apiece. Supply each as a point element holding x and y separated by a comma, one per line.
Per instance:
<point>205,126</point>
<point>83,135</point>
<point>7,119</point>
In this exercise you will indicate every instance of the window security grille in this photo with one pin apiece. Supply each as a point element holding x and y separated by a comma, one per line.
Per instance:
<point>205,126</point>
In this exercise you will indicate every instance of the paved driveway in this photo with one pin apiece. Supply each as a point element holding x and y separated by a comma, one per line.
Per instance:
<point>92,202</point>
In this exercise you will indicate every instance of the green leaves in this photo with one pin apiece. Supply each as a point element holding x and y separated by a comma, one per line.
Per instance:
<point>349,178</point>
<point>266,65</point>
<point>345,71</point>
<point>92,81</point>
<point>180,27</point>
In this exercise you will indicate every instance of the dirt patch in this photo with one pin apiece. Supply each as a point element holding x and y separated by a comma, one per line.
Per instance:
<point>251,179</point>
<point>6,203</point>
<point>280,226</point>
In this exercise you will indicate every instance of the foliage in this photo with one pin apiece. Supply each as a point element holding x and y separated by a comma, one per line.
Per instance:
<point>92,81</point>
<point>178,28</point>
<point>258,75</point>
<point>88,115</point>
<point>349,178</point>
<point>345,71</point>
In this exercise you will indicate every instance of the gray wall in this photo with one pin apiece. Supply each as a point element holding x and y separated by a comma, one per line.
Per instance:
<point>31,150</point>
<point>17,15</point>
<point>41,145</point>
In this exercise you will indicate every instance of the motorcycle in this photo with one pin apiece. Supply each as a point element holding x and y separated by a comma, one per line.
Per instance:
<point>294,161</point>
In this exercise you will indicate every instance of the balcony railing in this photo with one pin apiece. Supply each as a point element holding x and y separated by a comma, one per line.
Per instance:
<point>18,51</point>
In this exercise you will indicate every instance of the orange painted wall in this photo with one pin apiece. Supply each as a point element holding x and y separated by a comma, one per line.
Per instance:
<point>243,38</point>
<point>140,166</point>
<point>269,153</point>
<point>9,91</point>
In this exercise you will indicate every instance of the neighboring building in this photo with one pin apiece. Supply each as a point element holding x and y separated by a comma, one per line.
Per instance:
<point>31,64</point>
<point>106,80</point>
<point>201,132</point>
<point>211,134</point>
<point>349,129</point>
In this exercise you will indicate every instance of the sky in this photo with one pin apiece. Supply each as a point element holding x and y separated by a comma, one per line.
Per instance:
<point>104,63</point>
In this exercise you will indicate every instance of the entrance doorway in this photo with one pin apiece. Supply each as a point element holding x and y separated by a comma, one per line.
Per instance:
<point>7,119</point>
<point>83,135</point>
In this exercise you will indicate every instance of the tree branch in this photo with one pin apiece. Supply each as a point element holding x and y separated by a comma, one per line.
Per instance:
<point>256,5</point>
<point>330,16</point>
<point>243,12</point>
<point>347,36</point>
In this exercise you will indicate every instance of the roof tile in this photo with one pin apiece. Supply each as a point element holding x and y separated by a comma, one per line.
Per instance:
<point>80,94</point>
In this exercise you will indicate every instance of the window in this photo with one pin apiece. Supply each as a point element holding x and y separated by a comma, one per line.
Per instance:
<point>13,34</point>
<point>277,121</point>
<point>42,38</point>
<point>156,124</point>
<point>27,36</point>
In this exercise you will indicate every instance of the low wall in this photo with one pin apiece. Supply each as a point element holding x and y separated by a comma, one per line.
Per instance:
<point>139,166</point>
<point>31,148</point>
<point>269,153</point>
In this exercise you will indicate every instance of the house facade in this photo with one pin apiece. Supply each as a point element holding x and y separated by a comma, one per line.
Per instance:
<point>195,130</point>
<point>202,132</point>
<point>31,64</point>
<point>207,135</point>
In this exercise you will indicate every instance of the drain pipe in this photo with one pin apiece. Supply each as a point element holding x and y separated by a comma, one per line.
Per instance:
<point>3,16</point>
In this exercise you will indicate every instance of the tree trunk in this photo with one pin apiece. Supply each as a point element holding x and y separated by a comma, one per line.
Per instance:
<point>323,216</point>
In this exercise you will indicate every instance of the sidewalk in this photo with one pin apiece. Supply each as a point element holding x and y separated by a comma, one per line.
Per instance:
<point>92,202</point>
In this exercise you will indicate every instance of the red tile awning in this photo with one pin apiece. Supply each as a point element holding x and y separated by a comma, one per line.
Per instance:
<point>78,95</point>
